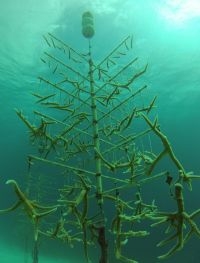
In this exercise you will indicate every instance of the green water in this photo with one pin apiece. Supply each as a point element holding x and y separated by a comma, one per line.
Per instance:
<point>166,36</point>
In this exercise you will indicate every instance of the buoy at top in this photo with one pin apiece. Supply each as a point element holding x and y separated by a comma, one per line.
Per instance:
<point>87,24</point>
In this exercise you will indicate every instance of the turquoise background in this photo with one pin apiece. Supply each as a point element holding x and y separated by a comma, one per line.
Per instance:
<point>166,36</point>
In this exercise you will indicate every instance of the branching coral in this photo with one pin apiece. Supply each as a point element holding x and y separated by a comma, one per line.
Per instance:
<point>91,131</point>
<point>32,209</point>
<point>178,221</point>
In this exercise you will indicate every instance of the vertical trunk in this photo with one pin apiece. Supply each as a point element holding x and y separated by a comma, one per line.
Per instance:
<point>99,189</point>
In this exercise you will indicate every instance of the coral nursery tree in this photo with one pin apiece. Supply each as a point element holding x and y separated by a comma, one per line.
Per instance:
<point>93,133</point>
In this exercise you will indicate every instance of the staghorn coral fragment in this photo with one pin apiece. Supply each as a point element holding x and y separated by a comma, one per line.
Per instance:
<point>32,209</point>
<point>177,221</point>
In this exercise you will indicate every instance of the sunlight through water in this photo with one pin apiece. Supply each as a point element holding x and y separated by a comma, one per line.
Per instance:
<point>179,12</point>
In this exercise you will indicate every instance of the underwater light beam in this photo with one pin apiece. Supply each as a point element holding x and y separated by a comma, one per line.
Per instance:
<point>180,11</point>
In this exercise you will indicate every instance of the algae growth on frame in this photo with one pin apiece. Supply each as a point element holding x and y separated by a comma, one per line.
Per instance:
<point>94,136</point>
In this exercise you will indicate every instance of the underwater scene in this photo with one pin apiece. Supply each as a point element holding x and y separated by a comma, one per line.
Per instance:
<point>100,131</point>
